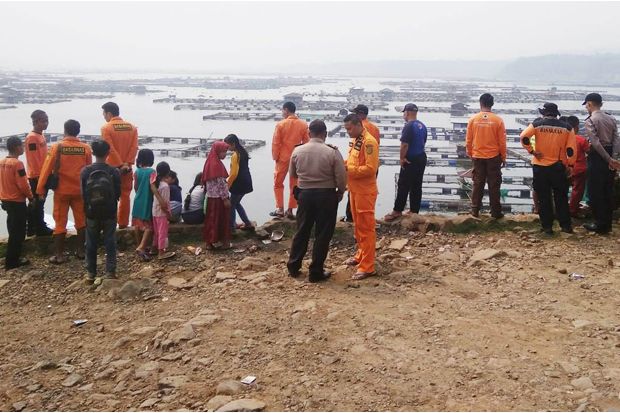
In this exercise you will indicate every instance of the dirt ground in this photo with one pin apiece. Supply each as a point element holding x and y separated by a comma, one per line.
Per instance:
<point>485,321</point>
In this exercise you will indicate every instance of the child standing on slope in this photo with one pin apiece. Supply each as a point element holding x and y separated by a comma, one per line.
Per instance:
<point>142,212</point>
<point>160,187</point>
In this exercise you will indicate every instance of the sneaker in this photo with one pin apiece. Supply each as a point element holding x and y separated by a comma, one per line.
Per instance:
<point>568,230</point>
<point>89,278</point>
<point>548,231</point>
<point>319,278</point>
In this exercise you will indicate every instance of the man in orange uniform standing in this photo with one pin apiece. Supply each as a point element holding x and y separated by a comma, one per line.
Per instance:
<point>486,146</point>
<point>36,151</point>
<point>123,140</point>
<point>71,155</point>
<point>290,132</point>
<point>362,112</point>
<point>362,165</point>
<point>553,153</point>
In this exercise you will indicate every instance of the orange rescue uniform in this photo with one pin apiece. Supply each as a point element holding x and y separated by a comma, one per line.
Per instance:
<point>373,130</point>
<point>362,165</point>
<point>554,139</point>
<point>486,136</point>
<point>14,185</point>
<point>289,133</point>
<point>74,155</point>
<point>36,151</point>
<point>123,139</point>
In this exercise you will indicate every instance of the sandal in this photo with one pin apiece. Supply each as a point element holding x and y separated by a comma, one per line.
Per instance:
<point>143,256</point>
<point>166,255</point>
<point>55,260</point>
<point>392,216</point>
<point>277,213</point>
<point>362,275</point>
<point>351,261</point>
<point>245,227</point>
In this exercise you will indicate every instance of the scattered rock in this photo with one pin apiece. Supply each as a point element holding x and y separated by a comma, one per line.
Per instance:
<point>223,276</point>
<point>120,342</point>
<point>173,382</point>
<point>120,363</point>
<point>611,374</point>
<point>229,387</point>
<point>129,290</point>
<point>330,359</point>
<point>72,380</point>
<point>147,369</point>
<point>19,406</point>
<point>252,263</point>
<point>2,284</point>
<point>307,306</point>
<point>581,323</point>
<point>243,405</point>
<point>398,244</point>
<point>86,387</point>
<point>218,401</point>
<point>184,333</point>
<point>203,320</point>
<point>569,367</point>
<point>33,387</point>
<point>582,383</point>
<point>484,254</point>
<point>142,331</point>
<point>449,256</point>
<point>178,283</point>
<point>495,363</point>
<point>105,374</point>
<point>172,356</point>
<point>149,403</point>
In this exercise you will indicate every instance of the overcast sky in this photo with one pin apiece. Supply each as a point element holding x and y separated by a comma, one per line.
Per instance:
<point>236,36</point>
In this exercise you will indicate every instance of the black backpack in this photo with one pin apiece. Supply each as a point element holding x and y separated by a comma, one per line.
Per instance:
<point>100,199</point>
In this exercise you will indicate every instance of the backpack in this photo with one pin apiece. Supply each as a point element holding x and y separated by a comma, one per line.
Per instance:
<point>100,199</point>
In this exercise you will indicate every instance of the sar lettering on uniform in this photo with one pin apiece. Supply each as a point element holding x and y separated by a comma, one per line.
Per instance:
<point>122,127</point>
<point>369,149</point>
<point>73,150</point>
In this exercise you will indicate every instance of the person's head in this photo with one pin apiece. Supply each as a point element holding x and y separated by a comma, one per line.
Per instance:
<point>72,128</point>
<point>486,101</point>
<point>146,158</point>
<point>318,129</point>
<point>410,111</point>
<point>220,148</point>
<point>353,125</point>
<point>110,110</point>
<point>101,149</point>
<point>235,145</point>
<point>15,146</point>
<point>573,121</point>
<point>198,179</point>
<point>593,102</point>
<point>174,179</point>
<point>361,111</point>
<point>549,110</point>
<point>39,120</point>
<point>288,109</point>
<point>163,170</point>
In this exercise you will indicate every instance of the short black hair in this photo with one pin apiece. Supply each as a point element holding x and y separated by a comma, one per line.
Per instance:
<point>486,100</point>
<point>573,121</point>
<point>13,143</point>
<point>100,148</point>
<point>290,106</point>
<point>111,107</point>
<point>37,114</point>
<point>146,157</point>
<point>317,127</point>
<point>353,118</point>
<point>175,178</point>
<point>72,127</point>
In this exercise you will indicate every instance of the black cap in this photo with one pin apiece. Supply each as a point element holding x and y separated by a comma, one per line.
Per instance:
<point>363,109</point>
<point>549,109</point>
<point>410,107</point>
<point>594,98</point>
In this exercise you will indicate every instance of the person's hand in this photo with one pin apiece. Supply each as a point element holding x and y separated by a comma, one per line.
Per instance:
<point>404,161</point>
<point>614,165</point>
<point>227,202</point>
<point>537,154</point>
<point>41,198</point>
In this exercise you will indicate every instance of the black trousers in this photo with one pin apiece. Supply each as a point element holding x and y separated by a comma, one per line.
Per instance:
<point>601,189</point>
<point>16,225</point>
<point>316,208</point>
<point>410,184</point>
<point>36,213</point>
<point>551,185</point>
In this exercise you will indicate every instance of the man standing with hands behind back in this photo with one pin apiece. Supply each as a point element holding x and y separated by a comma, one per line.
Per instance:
<point>123,140</point>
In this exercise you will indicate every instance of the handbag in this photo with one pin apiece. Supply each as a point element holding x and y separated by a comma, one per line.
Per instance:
<point>52,180</point>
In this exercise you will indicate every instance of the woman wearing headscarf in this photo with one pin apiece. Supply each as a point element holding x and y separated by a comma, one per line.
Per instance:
<point>216,230</point>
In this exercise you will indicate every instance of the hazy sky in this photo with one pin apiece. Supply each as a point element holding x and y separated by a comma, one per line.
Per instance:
<point>260,35</point>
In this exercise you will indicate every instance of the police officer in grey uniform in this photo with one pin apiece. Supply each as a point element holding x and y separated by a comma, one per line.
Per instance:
<point>322,180</point>
<point>602,131</point>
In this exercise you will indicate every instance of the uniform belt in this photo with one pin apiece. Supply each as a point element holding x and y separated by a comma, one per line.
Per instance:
<point>318,190</point>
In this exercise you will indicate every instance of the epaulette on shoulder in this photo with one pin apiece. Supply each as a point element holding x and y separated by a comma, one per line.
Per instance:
<point>332,146</point>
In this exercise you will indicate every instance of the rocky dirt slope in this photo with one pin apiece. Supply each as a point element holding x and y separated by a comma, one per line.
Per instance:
<point>487,321</point>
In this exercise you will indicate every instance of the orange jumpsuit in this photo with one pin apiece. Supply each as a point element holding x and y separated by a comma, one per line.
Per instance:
<point>14,185</point>
<point>362,165</point>
<point>289,133</point>
<point>36,151</point>
<point>123,139</point>
<point>373,129</point>
<point>74,156</point>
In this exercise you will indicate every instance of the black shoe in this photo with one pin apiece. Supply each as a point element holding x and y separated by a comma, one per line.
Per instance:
<point>548,231</point>
<point>595,228</point>
<point>293,273</point>
<point>568,230</point>
<point>22,262</point>
<point>45,232</point>
<point>318,278</point>
<point>475,213</point>
<point>497,216</point>
<point>30,232</point>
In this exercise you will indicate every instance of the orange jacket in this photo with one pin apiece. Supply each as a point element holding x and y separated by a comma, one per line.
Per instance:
<point>362,165</point>
<point>486,136</point>
<point>374,131</point>
<point>74,156</point>
<point>36,150</point>
<point>13,182</point>
<point>289,133</point>
<point>554,139</point>
<point>123,139</point>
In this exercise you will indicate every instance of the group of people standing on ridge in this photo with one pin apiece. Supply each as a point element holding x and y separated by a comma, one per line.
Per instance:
<point>318,178</point>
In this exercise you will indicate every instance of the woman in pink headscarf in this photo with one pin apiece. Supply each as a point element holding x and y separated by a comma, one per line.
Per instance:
<point>216,230</point>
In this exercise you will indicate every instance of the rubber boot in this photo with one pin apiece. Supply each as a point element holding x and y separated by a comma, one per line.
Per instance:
<point>59,247</point>
<point>81,242</point>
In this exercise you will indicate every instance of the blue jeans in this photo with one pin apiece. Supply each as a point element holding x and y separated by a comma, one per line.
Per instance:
<point>235,206</point>
<point>93,228</point>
